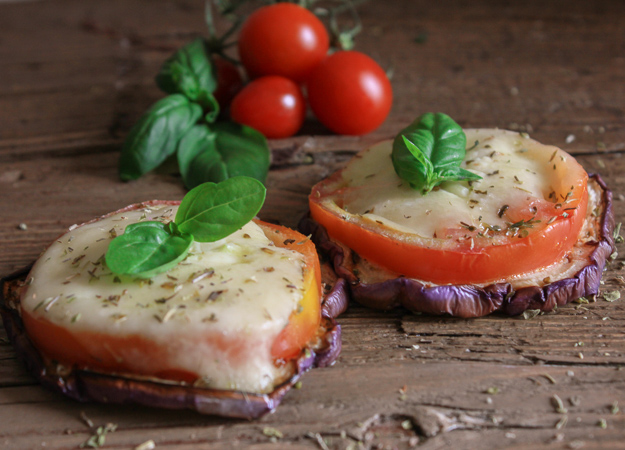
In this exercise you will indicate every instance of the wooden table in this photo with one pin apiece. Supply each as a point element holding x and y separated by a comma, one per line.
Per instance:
<point>75,75</point>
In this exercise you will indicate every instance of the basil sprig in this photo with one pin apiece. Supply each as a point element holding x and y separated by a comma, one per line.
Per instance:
<point>429,152</point>
<point>188,71</point>
<point>209,212</point>
<point>185,123</point>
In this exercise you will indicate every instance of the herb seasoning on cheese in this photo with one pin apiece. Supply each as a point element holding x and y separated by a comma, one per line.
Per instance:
<point>216,314</point>
<point>410,207</point>
<point>519,178</point>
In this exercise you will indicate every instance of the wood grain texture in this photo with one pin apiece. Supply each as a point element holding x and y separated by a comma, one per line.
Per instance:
<point>75,75</point>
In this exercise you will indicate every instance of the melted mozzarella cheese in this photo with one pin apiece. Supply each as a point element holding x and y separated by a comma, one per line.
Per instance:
<point>516,171</point>
<point>238,287</point>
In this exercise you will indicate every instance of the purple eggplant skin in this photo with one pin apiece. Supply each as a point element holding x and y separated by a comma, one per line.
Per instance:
<point>85,385</point>
<point>473,301</point>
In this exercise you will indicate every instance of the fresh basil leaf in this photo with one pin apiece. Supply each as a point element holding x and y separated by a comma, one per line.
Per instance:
<point>198,158</point>
<point>441,139</point>
<point>429,151</point>
<point>155,136</point>
<point>424,170</point>
<point>244,150</point>
<point>147,248</point>
<point>213,211</point>
<point>220,152</point>
<point>206,166</point>
<point>189,71</point>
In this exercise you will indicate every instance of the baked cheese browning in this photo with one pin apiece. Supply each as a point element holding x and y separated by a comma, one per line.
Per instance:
<point>211,320</point>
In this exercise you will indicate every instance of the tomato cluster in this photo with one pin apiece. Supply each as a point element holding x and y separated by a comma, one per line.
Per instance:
<point>284,50</point>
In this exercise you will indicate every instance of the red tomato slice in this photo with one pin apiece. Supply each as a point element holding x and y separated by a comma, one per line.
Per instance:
<point>475,259</point>
<point>303,323</point>
<point>98,350</point>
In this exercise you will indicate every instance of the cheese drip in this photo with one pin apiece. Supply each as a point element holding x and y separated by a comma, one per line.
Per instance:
<point>239,289</point>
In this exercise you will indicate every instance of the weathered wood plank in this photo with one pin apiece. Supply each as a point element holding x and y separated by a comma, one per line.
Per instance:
<point>422,401</point>
<point>75,76</point>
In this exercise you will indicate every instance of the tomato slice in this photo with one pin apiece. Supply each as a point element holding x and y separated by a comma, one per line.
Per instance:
<point>95,350</point>
<point>304,322</point>
<point>539,234</point>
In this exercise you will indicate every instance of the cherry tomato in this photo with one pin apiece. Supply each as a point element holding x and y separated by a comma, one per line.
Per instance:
<point>350,93</point>
<point>229,81</point>
<point>282,39</point>
<point>444,260</point>
<point>273,105</point>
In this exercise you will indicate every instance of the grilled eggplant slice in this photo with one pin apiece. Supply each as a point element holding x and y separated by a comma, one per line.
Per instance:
<point>94,384</point>
<point>576,274</point>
